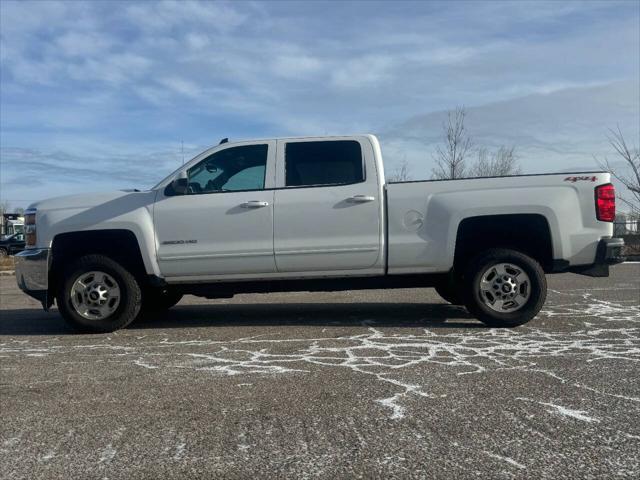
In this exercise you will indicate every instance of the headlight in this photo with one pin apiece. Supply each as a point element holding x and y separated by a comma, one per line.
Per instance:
<point>30,227</point>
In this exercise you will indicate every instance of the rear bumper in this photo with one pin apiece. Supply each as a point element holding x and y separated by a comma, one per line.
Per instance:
<point>32,273</point>
<point>609,252</point>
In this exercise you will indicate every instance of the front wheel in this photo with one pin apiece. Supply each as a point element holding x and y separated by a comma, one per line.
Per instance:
<point>98,295</point>
<point>504,288</point>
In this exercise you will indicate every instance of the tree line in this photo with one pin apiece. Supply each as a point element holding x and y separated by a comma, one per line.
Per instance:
<point>5,207</point>
<point>457,156</point>
<point>453,156</point>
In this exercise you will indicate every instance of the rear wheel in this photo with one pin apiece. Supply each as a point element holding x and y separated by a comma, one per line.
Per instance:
<point>98,295</point>
<point>3,252</point>
<point>504,288</point>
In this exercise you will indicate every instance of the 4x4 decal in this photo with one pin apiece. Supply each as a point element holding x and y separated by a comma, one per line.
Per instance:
<point>581,179</point>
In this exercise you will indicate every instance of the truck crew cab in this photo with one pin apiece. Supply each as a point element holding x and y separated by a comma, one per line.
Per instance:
<point>314,214</point>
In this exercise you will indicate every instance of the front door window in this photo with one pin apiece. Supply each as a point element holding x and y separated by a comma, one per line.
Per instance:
<point>233,169</point>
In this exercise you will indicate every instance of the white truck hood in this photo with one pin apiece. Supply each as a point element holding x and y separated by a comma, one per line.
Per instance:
<point>94,211</point>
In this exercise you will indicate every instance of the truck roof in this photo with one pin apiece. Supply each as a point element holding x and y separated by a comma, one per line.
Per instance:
<point>293,137</point>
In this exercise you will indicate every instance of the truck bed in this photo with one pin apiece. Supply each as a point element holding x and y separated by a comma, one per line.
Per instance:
<point>424,216</point>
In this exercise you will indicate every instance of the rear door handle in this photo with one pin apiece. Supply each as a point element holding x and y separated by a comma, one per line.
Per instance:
<point>254,204</point>
<point>361,199</point>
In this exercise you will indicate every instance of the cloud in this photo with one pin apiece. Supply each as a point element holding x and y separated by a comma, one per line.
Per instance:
<point>82,44</point>
<point>181,86</point>
<point>369,70</point>
<point>178,49</point>
<point>551,131</point>
<point>164,15</point>
<point>113,69</point>
<point>294,66</point>
<point>30,174</point>
<point>197,41</point>
<point>133,76</point>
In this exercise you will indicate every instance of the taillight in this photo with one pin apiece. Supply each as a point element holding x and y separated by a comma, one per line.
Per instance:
<point>30,228</point>
<point>606,203</point>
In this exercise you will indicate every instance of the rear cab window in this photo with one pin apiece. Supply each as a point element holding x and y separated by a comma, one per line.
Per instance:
<point>331,162</point>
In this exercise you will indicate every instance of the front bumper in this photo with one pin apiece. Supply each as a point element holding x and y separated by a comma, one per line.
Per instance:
<point>609,252</point>
<point>32,273</point>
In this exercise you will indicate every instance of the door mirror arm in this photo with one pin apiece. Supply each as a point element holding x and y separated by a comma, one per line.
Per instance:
<point>179,185</point>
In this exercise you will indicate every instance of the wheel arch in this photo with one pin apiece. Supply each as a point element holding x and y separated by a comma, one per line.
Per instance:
<point>120,245</point>
<point>528,233</point>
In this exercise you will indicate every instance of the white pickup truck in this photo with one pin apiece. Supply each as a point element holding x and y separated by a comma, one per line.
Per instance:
<point>314,214</point>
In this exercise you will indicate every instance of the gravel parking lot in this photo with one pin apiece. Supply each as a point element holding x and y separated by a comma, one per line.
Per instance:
<point>349,385</point>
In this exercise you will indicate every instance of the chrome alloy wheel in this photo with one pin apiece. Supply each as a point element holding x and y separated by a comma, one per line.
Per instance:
<point>95,295</point>
<point>504,287</point>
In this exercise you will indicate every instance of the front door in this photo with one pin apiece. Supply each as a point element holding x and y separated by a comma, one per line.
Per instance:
<point>223,226</point>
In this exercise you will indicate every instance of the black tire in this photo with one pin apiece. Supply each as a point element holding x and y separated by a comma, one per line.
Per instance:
<point>130,299</point>
<point>537,286</point>
<point>156,300</point>
<point>3,253</point>
<point>450,290</point>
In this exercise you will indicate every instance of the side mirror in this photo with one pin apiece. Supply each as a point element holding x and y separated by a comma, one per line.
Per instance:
<point>180,184</point>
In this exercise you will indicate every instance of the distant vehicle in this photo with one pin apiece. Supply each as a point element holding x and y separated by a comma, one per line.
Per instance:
<point>12,244</point>
<point>12,223</point>
<point>315,214</point>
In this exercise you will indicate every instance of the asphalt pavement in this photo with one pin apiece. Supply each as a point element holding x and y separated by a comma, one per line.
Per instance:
<point>369,384</point>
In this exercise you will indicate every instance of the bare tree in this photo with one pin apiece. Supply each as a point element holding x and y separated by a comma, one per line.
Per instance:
<point>500,163</point>
<point>4,207</point>
<point>451,158</point>
<point>401,173</point>
<point>630,157</point>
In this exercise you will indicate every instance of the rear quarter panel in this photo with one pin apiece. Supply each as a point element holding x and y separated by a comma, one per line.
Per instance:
<point>423,217</point>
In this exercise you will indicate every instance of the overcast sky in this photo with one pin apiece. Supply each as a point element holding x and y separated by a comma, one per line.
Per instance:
<point>101,95</point>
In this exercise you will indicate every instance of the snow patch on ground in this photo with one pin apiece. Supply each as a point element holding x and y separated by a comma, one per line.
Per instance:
<point>48,456</point>
<point>179,450</point>
<point>141,363</point>
<point>388,357</point>
<point>508,460</point>
<point>108,454</point>
<point>568,412</point>
<point>564,411</point>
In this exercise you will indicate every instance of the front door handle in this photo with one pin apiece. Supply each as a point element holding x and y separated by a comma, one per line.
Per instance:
<point>254,204</point>
<point>361,199</point>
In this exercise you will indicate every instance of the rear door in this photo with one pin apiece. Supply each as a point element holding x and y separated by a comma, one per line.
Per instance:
<point>327,215</point>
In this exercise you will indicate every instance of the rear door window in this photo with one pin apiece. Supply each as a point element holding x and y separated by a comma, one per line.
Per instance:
<point>336,162</point>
